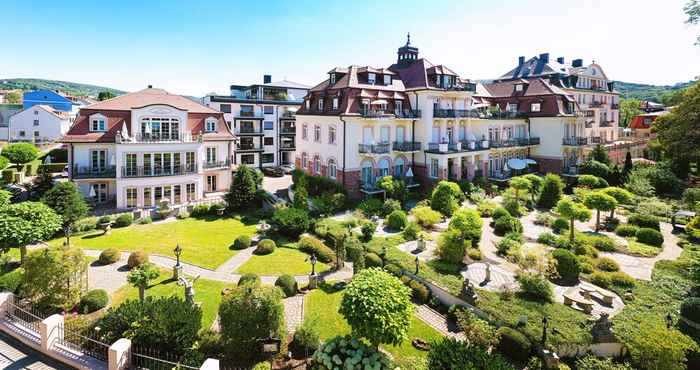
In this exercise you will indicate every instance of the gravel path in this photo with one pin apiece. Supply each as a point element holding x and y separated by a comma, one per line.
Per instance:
<point>294,312</point>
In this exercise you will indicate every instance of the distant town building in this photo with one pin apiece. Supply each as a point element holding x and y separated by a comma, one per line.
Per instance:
<point>38,124</point>
<point>6,111</point>
<point>47,97</point>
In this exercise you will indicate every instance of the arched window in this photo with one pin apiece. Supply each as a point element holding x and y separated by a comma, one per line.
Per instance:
<point>332,168</point>
<point>304,160</point>
<point>383,167</point>
<point>399,167</point>
<point>317,165</point>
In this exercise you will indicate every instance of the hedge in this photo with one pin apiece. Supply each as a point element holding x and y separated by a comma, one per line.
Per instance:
<point>310,245</point>
<point>265,246</point>
<point>648,221</point>
<point>11,281</point>
<point>626,230</point>
<point>567,264</point>
<point>373,260</point>
<point>650,236</point>
<point>93,300</point>
<point>287,284</point>
<point>690,309</point>
<point>137,259</point>
<point>421,293</point>
<point>109,256</point>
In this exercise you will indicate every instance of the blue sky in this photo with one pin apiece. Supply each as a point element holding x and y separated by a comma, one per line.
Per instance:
<point>195,47</point>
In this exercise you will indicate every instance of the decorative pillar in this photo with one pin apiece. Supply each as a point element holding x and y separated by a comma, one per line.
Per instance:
<point>5,300</point>
<point>119,355</point>
<point>49,331</point>
<point>457,168</point>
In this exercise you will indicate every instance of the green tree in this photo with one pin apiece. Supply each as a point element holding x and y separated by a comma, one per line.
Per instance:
<point>244,188</point>
<point>590,362</point>
<point>25,223</point>
<point>445,197</point>
<point>573,211</point>
<point>13,97</point>
<point>301,194</point>
<point>4,162</point>
<point>142,276</point>
<point>621,195</point>
<point>595,168</point>
<point>599,154</point>
<point>378,307</point>
<point>20,153</point>
<point>53,277</point>
<point>600,202</point>
<point>551,191</point>
<point>679,130</point>
<point>67,201</point>
<point>628,165</point>
<point>104,95</point>
<point>452,246</point>
<point>657,348</point>
<point>520,184</point>
<point>468,222</point>
<point>629,108</point>
<point>5,199</point>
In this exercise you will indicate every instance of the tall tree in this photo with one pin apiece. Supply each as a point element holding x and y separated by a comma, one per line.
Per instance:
<point>629,108</point>
<point>628,165</point>
<point>600,154</point>
<point>599,201</point>
<point>679,130</point>
<point>54,276</point>
<point>567,208</point>
<point>520,184</point>
<point>13,97</point>
<point>20,153</point>
<point>243,188</point>
<point>104,95</point>
<point>66,200</point>
<point>25,223</point>
<point>551,191</point>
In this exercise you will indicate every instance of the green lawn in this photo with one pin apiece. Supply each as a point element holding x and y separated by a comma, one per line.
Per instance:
<point>640,249</point>
<point>324,305</point>
<point>282,261</point>
<point>206,292</point>
<point>205,242</point>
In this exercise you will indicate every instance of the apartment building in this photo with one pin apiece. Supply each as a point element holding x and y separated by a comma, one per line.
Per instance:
<point>140,149</point>
<point>421,121</point>
<point>38,124</point>
<point>263,119</point>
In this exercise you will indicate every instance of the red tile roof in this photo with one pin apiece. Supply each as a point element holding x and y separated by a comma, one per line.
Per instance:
<point>150,96</point>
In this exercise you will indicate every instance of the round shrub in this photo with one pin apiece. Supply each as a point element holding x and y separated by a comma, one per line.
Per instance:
<point>505,245</point>
<point>604,244</point>
<point>249,279</point>
<point>421,293</point>
<point>474,254</point>
<point>145,220</point>
<point>345,352</point>
<point>93,300</point>
<point>373,260</point>
<point>137,259</point>
<point>307,338</point>
<point>486,208</point>
<point>390,205</point>
<point>601,279</point>
<point>621,279</point>
<point>536,286</point>
<point>513,207</point>
<point>607,264</point>
<point>124,220</point>
<point>310,245</point>
<point>559,225</point>
<point>642,220</point>
<point>452,246</point>
<point>507,224</point>
<point>650,236</point>
<point>104,220</point>
<point>200,210</point>
<point>626,230</point>
<point>20,153</point>
<point>368,228</point>
<point>288,285</point>
<point>291,222</point>
<point>690,309</point>
<point>499,212</point>
<point>426,217</point>
<point>567,265</point>
<point>397,220</point>
<point>586,267</point>
<point>265,246</point>
<point>410,232</point>
<point>546,239</point>
<point>109,256</point>
<point>513,344</point>
<point>242,242</point>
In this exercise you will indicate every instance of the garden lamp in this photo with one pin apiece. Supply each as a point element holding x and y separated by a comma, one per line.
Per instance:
<point>177,251</point>
<point>313,264</point>
<point>417,264</point>
<point>545,324</point>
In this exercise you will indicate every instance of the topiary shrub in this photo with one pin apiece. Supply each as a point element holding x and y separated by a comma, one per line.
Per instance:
<point>109,256</point>
<point>12,281</point>
<point>393,269</point>
<point>389,206</point>
<point>124,220</point>
<point>446,197</point>
<point>426,217</point>
<point>604,244</point>
<point>513,207</point>
<point>137,259</point>
<point>310,245</point>
<point>93,300</point>
<point>560,225</point>
<point>626,230</point>
<point>145,220</point>
<point>474,254</point>
<point>288,285</point>
<point>249,279</point>
<point>421,293</point>
<point>242,242</point>
<point>535,286</point>
<point>642,220</point>
<point>373,260</point>
<point>410,232</point>
<point>452,246</point>
<point>371,207</point>
<point>621,279</point>
<point>397,220</point>
<point>20,153</point>
<point>291,222</point>
<point>513,344</point>
<point>546,239</point>
<point>486,208</point>
<point>200,210</point>
<point>650,236</point>
<point>507,224</point>
<point>346,353</point>
<point>265,246</point>
<point>601,279</point>
<point>500,212</point>
<point>567,265</point>
<point>104,220</point>
<point>368,228</point>
<point>607,264</point>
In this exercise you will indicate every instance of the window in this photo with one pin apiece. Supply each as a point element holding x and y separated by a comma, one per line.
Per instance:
<point>269,141</point>
<point>147,198</point>
<point>399,105</point>
<point>331,135</point>
<point>177,194</point>
<point>247,111</point>
<point>160,128</point>
<point>130,168</point>
<point>304,131</point>
<point>317,165</point>
<point>332,169</point>
<point>190,190</point>
<point>100,191</point>
<point>512,107</point>
<point>335,104</point>
<point>248,159</point>
<point>371,78</point>
<point>268,109</point>
<point>304,160</point>
<point>308,103</point>
<point>269,125</point>
<point>225,108</point>
<point>320,104</point>
<point>518,87</point>
<point>317,133</point>
<point>211,183</point>
<point>434,169</point>
<point>98,160</point>
<point>36,122</point>
<point>131,197</point>
<point>210,125</point>
<point>535,107</point>
<point>36,133</point>
<point>97,124</point>
<point>211,155</point>
<point>189,161</point>
<point>387,79</point>
<point>36,112</point>
<point>267,158</point>
<point>22,133</point>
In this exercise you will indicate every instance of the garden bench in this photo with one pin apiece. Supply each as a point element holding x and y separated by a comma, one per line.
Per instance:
<point>607,298</point>
<point>570,297</point>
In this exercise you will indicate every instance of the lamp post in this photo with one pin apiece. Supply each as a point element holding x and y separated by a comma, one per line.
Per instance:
<point>312,279</point>
<point>67,232</point>
<point>669,321</point>
<point>177,269</point>
<point>545,324</point>
<point>417,261</point>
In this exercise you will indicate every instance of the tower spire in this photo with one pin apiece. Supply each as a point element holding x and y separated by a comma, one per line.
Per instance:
<point>408,39</point>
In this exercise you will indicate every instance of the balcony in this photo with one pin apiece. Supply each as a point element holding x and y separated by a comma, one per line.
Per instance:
<point>444,147</point>
<point>249,115</point>
<point>288,115</point>
<point>575,141</point>
<point>287,145</point>
<point>474,146</point>
<point>406,146</point>
<point>473,113</point>
<point>407,113</point>
<point>614,106</point>
<point>251,131</point>
<point>140,171</point>
<point>606,124</point>
<point>287,130</point>
<point>595,140</point>
<point>248,148</point>
<point>382,148</point>
<point>146,138</point>
<point>83,172</point>
<point>216,164</point>
<point>513,142</point>
<point>596,104</point>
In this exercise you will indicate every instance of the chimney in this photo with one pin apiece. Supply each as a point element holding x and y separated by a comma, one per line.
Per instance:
<point>544,58</point>
<point>577,63</point>
<point>267,79</point>
<point>560,60</point>
<point>521,61</point>
<point>150,86</point>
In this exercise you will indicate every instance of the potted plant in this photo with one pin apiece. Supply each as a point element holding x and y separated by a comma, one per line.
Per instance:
<point>218,208</point>
<point>164,209</point>
<point>105,223</point>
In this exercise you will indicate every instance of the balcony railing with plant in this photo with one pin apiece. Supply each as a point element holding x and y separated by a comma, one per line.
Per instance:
<point>575,141</point>
<point>216,164</point>
<point>173,137</point>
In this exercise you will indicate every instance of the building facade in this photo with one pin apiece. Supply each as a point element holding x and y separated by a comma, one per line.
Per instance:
<point>47,97</point>
<point>7,111</point>
<point>38,124</point>
<point>263,119</point>
<point>140,149</point>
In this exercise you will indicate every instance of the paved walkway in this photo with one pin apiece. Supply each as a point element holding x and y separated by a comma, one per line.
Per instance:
<point>500,277</point>
<point>15,355</point>
<point>294,312</point>
<point>233,263</point>
<point>437,321</point>
<point>107,277</point>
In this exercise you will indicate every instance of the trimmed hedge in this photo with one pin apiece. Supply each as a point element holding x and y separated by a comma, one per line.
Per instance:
<point>607,264</point>
<point>109,256</point>
<point>308,244</point>
<point>137,259</point>
<point>650,236</point>
<point>249,279</point>
<point>397,220</point>
<point>513,344</point>
<point>11,281</point>
<point>288,285</point>
<point>242,242</point>
<point>124,220</point>
<point>265,246</point>
<point>373,260</point>
<point>421,293</point>
<point>690,309</point>
<point>626,230</point>
<point>567,265</point>
<point>648,221</point>
<point>200,210</point>
<point>93,300</point>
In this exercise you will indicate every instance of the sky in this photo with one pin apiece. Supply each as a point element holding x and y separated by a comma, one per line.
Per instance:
<point>196,47</point>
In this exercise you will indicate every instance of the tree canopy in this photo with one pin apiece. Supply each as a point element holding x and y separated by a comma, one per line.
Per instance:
<point>629,108</point>
<point>679,130</point>
<point>244,188</point>
<point>67,201</point>
<point>104,95</point>
<point>20,153</point>
<point>573,211</point>
<point>599,201</point>
<point>53,277</point>
<point>25,223</point>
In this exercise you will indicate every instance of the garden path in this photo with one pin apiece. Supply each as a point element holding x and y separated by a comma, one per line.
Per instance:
<point>233,263</point>
<point>107,277</point>
<point>500,277</point>
<point>294,312</point>
<point>437,321</point>
<point>426,255</point>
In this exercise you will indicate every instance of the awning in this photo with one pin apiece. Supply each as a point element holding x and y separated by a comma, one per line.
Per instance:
<point>530,161</point>
<point>379,102</point>
<point>517,164</point>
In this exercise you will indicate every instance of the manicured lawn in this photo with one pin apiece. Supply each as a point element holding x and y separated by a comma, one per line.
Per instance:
<point>206,292</point>
<point>641,249</point>
<point>205,242</point>
<point>324,306</point>
<point>282,261</point>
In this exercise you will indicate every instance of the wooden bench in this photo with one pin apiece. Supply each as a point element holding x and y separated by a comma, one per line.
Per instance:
<point>570,297</point>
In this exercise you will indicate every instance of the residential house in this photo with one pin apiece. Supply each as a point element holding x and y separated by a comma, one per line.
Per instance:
<point>38,124</point>
<point>6,111</point>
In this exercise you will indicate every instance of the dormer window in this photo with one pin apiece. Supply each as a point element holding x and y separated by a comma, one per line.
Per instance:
<point>387,80</point>
<point>210,125</point>
<point>308,104</point>
<point>98,123</point>
<point>332,78</point>
<point>518,87</point>
<point>320,104</point>
<point>335,103</point>
<point>371,78</point>
<point>535,107</point>
<point>512,107</point>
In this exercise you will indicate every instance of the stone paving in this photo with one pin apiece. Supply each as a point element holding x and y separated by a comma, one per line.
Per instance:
<point>107,277</point>
<point>412,247</point>
<point>294,312</point>
<point>233,263</point>
<point>500,277</point>
<point>15,355</point>
<point>437,321</point>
